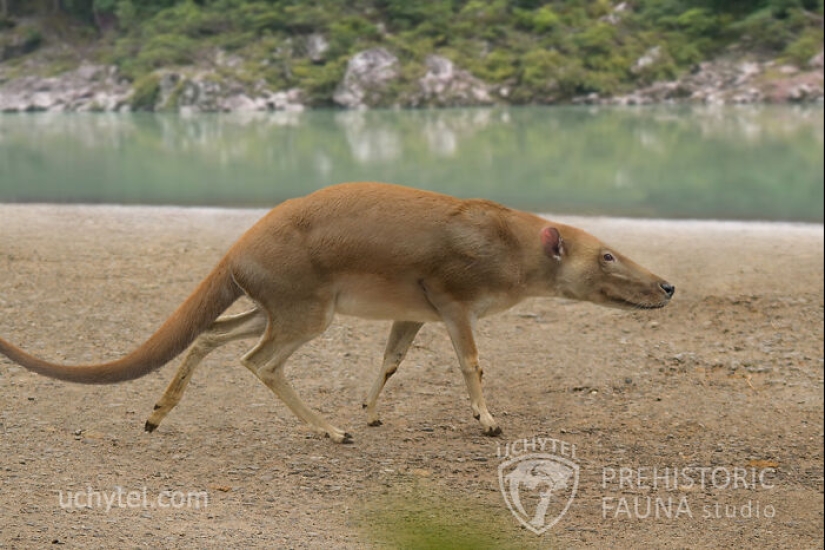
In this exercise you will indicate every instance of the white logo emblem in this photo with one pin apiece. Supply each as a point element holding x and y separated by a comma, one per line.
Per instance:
<point>538,488</point>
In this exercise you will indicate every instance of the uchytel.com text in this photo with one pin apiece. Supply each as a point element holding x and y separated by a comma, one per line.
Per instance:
<point>121,498</point>
<point>674,493</point>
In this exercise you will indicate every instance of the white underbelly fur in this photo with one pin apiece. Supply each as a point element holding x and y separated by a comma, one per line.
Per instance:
<point>376,298</point>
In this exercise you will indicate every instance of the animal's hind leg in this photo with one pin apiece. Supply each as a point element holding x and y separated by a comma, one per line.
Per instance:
<point>401,337</point>
<point>286,333</point>
<point>224,330</point>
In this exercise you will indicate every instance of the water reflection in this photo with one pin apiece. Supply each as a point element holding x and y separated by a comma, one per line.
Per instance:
<point>729,162</point>
<point>369,143</point>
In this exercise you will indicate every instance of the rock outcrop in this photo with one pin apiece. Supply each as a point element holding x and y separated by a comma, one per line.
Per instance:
<point>371,73</point>
<point>729,82</point>
<point>317,46</point>
<point>445,86</point>
<point>374,78</point>
<point>204,92</point>
<point>87,88</point>
<point>817,61</point>
<point>366,80</point>
<point>100,88</point>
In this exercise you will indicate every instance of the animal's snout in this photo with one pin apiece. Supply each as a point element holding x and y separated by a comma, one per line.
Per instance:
<point>668,288</point>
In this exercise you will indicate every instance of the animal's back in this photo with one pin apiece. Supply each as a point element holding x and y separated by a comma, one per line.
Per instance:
<point>371,226</point>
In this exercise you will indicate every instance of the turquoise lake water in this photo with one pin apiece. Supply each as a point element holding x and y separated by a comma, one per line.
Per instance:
<point>749,162</point>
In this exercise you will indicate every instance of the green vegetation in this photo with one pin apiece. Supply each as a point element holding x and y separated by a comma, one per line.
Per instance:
<point>540,50</point>
<point>415,515</point>
<point>146,91</point>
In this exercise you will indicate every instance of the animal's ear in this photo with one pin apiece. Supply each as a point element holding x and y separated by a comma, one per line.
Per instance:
<point>552,242</point>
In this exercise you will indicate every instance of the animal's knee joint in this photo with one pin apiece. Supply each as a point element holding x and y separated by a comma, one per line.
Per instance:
<point>473,369</point>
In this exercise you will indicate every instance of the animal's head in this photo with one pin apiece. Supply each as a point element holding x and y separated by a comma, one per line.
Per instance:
<point>591,271</point>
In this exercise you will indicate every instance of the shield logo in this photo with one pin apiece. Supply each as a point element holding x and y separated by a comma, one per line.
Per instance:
<point>538,488</point>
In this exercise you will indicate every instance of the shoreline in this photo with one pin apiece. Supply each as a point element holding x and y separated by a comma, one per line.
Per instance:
<point>648,223</point>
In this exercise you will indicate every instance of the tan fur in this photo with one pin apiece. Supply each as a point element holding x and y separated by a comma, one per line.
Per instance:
<point>377,251</point>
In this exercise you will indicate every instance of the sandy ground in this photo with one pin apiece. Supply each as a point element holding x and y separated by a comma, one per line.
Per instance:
<point>723,388</point>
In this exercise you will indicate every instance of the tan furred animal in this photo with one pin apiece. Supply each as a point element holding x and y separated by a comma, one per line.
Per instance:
<point>377,251</point>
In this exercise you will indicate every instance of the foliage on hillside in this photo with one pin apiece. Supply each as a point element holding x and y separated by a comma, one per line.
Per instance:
<point>538,51</point>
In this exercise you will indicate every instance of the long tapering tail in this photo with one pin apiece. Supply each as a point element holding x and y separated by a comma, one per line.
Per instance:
<point>212,297</point>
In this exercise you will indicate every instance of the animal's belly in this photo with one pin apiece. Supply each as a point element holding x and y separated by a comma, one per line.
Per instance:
<point>374,297</point>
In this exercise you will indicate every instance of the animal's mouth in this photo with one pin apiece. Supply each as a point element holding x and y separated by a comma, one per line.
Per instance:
<point>624,303</point>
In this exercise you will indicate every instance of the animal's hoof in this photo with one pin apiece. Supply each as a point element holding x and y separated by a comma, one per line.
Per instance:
<point>344,438</point>
<point>150,426</point>
<point>375,423</point>
<point>492,431</point>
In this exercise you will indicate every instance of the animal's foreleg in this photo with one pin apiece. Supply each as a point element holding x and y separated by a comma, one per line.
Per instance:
<point>460,329</point>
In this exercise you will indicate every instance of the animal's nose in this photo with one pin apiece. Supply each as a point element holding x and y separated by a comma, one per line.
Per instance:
<point>668,288</point>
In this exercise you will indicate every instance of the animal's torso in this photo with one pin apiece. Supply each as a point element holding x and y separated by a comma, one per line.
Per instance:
<point>375,247</point>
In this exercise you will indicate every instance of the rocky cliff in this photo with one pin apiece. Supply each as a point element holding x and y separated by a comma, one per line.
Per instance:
<point>373,78</point>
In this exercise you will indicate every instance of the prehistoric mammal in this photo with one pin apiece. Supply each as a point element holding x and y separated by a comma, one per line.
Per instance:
<point>377,251</point>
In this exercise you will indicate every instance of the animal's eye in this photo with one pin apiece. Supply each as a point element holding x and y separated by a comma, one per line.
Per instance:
<point>608,257</point>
